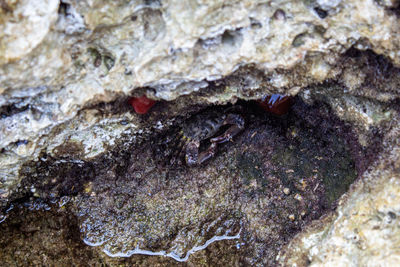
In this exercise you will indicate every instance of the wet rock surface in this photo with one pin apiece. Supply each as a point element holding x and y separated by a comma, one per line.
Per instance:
<point>365,224</point>
<point>276,176</point>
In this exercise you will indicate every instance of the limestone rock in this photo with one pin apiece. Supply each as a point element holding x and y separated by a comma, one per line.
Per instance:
<point>67,69</point>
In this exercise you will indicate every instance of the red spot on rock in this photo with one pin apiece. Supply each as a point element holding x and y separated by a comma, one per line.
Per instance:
<point>276,104</point>
<point>141,104</point>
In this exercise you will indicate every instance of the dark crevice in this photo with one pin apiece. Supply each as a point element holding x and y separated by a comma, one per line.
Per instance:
<point>113,174</point>
<point>63,8</point>
<point>54,178</point>
<point>321,12</point>
<point>5,7</point>
<point>393,9</point>
<point>380,75</point>
<point>382,66</point>
<point>10,110</point>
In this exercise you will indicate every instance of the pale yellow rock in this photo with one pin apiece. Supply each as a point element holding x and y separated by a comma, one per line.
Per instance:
<point>25,27</point>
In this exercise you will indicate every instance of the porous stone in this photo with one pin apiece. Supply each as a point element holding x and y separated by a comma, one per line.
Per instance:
<point>68,67</point>
<point>94,51</point>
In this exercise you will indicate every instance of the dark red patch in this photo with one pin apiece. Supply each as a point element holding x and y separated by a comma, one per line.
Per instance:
<point>141,104</point>
<point>276,104</point>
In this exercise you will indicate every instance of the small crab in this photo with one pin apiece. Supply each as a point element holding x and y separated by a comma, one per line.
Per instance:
<point>204,127</point>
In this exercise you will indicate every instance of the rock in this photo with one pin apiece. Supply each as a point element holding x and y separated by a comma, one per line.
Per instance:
<point>140,198</point>
<point>363,229</point>
<point>68,69</point>
<point>24,26</point>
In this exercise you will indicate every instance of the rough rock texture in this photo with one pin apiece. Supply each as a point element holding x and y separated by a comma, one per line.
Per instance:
<point>261,189</point>
<point>95,51</point>
<point>68,67</point>
<point>364,229</point>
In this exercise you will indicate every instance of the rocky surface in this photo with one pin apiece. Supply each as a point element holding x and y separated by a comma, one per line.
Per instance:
<point>279,174</point>
<point>67,132</point>
<point>365,225</point>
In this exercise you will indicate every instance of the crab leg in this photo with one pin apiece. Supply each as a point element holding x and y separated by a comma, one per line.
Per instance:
<point>237,126</point>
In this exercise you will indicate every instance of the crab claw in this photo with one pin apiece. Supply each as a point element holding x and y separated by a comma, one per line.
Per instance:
<point>192,153</point>
<point>237,126</point>
<point>209,153</point>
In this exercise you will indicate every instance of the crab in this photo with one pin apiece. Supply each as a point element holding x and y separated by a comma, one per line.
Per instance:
<point>204,127</point>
